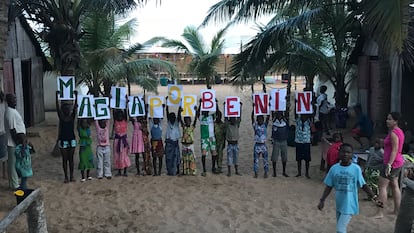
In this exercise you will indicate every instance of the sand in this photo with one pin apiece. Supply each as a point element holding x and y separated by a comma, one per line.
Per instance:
<point>215,203</point>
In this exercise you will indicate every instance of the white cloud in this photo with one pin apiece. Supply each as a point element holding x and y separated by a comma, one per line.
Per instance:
<point>171,17</point>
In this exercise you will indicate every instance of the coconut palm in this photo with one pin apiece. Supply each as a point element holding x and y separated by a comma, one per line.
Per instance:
<point>105,60</point>
<point>204,59</point>
<point>59,24</point>
<point>288,40</point>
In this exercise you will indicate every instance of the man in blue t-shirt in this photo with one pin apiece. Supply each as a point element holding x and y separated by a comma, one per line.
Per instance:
<point>346,178</point>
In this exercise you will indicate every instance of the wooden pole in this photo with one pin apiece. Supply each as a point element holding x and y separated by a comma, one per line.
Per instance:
<point>36,217</point>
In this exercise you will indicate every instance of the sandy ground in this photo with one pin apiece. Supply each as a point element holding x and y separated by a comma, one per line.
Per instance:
<point>215,203</point>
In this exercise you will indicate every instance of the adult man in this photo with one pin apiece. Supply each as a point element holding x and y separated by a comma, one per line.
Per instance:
<point>14,124</point>
<point>3,137</point>
<point>323,109</point>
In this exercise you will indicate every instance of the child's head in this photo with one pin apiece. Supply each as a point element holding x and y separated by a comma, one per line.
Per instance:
<point>260,119</point>
<point>232,120</point>
<point>187,121</point>
<point>119,115</point>
<point>378,143</point>
<point>279,115</point>
<point>218,116</point>
<point>204,113</point>
<point>171,117</point>
<point>102,123</point>
<point>337,137</point>
<point>20,138</point>
<point>84,123</point>
<point>345,153</point>
<point>66,108</point>
<point>303,117</point>
<point>140,118</point>
<point>156,121</point>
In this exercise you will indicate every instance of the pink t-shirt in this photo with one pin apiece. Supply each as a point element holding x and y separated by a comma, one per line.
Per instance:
<point>102,134</point>
<point>399,160</point>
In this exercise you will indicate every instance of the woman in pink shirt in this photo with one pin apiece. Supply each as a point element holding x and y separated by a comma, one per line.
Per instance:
<point>393,162</point>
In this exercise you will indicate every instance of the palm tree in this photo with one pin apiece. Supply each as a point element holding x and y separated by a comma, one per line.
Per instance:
<point>60,26</point>
<point>307,37</point>
<point>106,61</point>
<point>203,59</point>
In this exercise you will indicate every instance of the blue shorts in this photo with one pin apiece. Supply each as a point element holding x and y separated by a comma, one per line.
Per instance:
<point>67,144</point>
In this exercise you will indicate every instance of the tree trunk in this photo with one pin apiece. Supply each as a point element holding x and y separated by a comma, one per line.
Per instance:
<point>341,96</point>
<point>396,81</point>
<point>4,28</point>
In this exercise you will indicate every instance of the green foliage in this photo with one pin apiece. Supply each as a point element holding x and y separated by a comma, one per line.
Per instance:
<point>105,61</point>
<point>204,59</point>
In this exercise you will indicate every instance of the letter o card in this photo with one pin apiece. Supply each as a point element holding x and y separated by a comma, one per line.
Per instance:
<point>232,106</point>
<point>208,100</point>
<point>174,95</point>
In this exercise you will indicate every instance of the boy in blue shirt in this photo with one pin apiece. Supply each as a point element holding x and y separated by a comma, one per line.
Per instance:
<point>346,178</point>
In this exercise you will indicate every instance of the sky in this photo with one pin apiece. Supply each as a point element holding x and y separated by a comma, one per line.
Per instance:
<point>171,17</point>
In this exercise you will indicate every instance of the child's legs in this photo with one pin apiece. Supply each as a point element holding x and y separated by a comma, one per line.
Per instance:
<point>99,161</point>
<point>256,158</point>
<point>106,154</point>
<point>265,155</point>
<point>275,151</point>
<point>23,183</point>
<point>283,151</point>
<point>71,151</point>
<point>236,154</point>
<point>342,221</point>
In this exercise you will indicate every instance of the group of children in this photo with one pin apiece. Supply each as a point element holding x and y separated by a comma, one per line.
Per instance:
<point>146,142</point>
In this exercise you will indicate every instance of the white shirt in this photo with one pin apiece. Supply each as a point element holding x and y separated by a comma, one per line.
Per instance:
<point>322,102</point>
<point>2,117</point>
<point>13,120</point>
<point>173,131</point>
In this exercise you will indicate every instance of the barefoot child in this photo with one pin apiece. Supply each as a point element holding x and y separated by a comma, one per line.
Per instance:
<point>85,149</point>
<point>346,178</point>
<point>232,137</point>
<point>137,143</point>
<point>121,146</point>
<point>208,140</point>
<point>187,142</point>
<point>280,131</point>
<point>172,137</point>
<point>157,147</point>
<point>260,137</point>
<point>23,159</point>
<point>303,143</point>
<point>103,150</point>
<point>220,135</point>
<point>67,142</point>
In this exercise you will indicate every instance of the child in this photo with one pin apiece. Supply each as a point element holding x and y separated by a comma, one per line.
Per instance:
<point>137,143</point>
<point>157,147</point>
<point>405,217</point>
<point>332,155</point>
<point>187,142</point>
<point>303,143</point>
<point>103,150</point>
<point>232,137</point>
<point>280,131</point>
<point>121,146</point>
<point>23,159</point>
<point>147,146</point>
<point>85,149</point>
<point>66,138</point>
<point>374,164</point>
<point>220,135</point>
<point>260,148</point>
<point>172,148</point>
<point>345,177</point>
<point>208,140</point>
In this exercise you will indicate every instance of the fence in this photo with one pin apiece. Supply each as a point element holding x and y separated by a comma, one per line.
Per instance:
<point>36,218</point>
